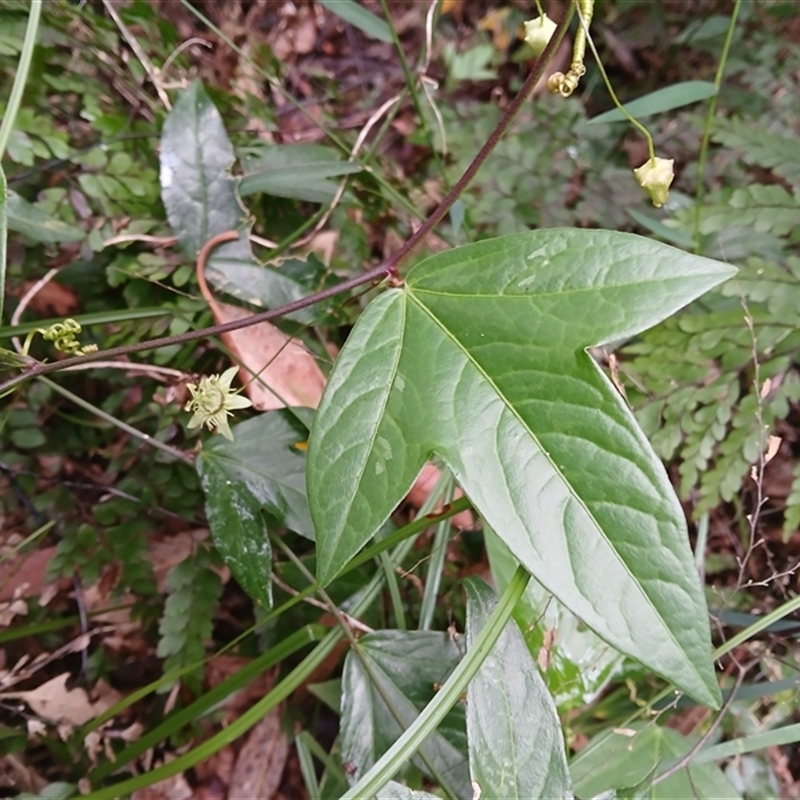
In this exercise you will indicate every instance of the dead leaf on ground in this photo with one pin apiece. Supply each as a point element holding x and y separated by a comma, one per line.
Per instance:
<point>23,574</point>
<point>52,300</point>
<point>260,764</point>
<point>174,788</point>
<point>52,701</point>
<point>13,608</point>
<point>286,372</point>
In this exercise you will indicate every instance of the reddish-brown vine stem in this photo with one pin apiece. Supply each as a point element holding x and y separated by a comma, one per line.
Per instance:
<point>376,274</point>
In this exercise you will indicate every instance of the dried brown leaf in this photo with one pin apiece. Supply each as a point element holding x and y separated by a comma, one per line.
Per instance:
<point>286,373</point>
<point>260,764</point>
<point>52,701</point>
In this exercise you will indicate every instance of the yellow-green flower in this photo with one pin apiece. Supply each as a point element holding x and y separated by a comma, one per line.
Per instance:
<point>538,33</point>
<point>213,400</point>
<point>655,177</point>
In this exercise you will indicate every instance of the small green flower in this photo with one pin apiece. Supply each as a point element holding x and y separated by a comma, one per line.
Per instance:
<point>655,177</point>
<point>538,33</point>
<point>212,402</point>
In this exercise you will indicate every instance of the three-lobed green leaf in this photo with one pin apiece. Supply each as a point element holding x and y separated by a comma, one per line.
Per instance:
<point>480,358</point>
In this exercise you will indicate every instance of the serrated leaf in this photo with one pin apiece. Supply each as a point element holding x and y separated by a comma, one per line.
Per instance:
<point>516,749</point>
<point>481,358</point>
<point>261,469</point>
<point>402,668</point>
<point>359,17</point>
<point>188,613</point>
<point>626,758</point>
<point>667,99</point>
<point>197,189</point>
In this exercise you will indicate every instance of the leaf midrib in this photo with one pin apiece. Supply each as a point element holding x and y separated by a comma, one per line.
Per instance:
<point>555,468</point>
<point>589,290</point>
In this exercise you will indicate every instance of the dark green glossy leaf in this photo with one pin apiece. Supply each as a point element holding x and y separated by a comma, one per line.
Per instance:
<point>356,15</point>
<point>259,470</point>
<point>632,757</point>
<point>671,97</point>
<point>481,359</point>
<point>297,172</point>
<point>516,750</point>
<point>402,668</point>
<point>197,189</point>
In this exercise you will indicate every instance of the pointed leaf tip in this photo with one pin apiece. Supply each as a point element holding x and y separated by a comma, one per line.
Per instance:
<point>481,360</point>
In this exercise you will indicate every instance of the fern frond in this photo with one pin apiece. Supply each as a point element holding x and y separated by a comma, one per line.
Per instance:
<point>779,154</point>
<point>188,613</point>
<point>766,208</point>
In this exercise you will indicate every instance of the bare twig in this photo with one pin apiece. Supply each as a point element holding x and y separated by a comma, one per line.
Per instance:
<point>689,757</point>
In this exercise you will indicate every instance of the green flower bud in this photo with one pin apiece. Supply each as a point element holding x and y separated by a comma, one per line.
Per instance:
<point>538,32</point>
<point>655,177</point>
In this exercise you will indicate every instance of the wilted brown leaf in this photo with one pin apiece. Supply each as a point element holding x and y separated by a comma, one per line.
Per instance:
<point>260,764</point>
<point>285,371</point>
<point>52,701</point>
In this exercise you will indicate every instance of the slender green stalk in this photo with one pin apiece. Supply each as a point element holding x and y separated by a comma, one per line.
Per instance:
<point>307,767</point>
<point>778,614</point>
<point>769,619</point>
<point>401,720</point>
<point>712,110</point>
<point>433,577</point>
<point>177,720</point>
<point>7,125</point>
<point>602,70</point>
<point>422,522</point>
<point>251,717</point>
<point>394,591</point>
<point>747,744</point>
<point>427,722</point>
<point>21,78</point>
<point>10,552</point>
<point>123,426</point>
<point>280,692</point>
